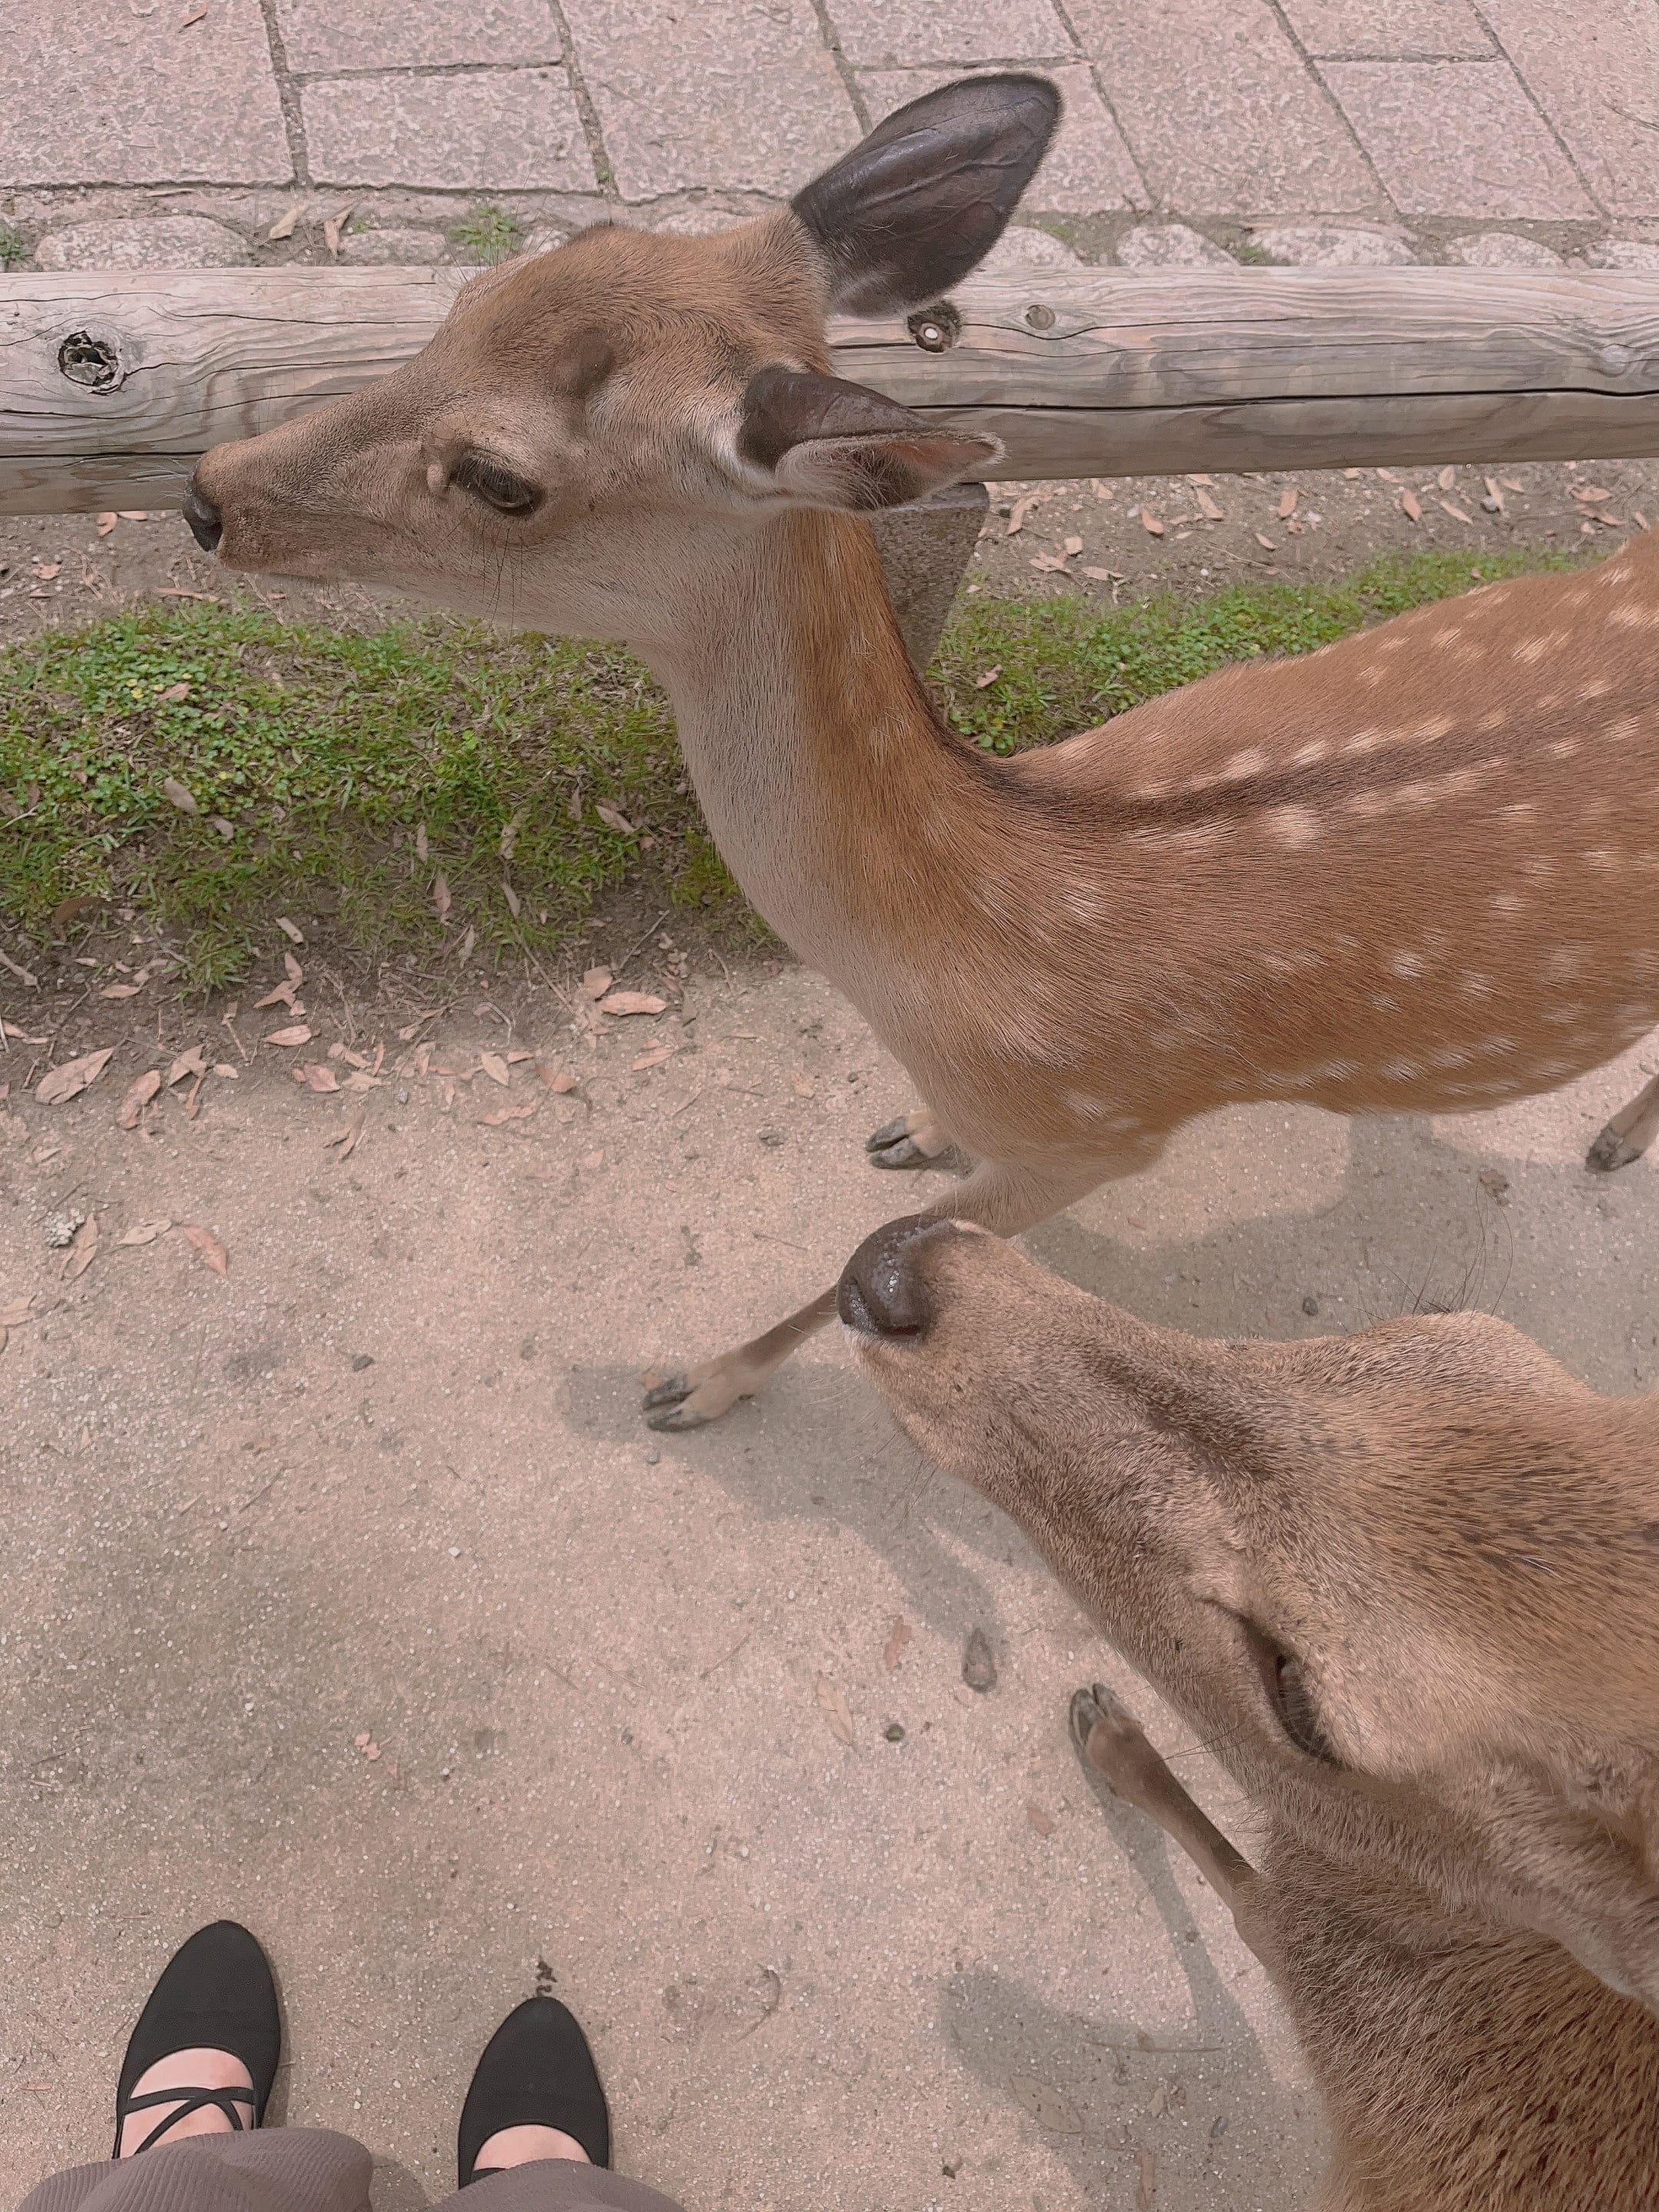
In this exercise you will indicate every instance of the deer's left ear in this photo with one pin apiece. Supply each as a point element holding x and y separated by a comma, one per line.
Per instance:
<point>829,443</point>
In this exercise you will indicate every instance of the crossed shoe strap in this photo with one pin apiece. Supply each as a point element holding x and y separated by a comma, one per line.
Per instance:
<point>188,2101</point>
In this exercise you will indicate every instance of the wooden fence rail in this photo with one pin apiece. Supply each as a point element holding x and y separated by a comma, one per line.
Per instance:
<point>111,385</point>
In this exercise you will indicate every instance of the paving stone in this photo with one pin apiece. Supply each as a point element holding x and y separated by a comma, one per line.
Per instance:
<point>97,94</point>
<point>391,248</point>
<point>1624,253</point>
<point>1170,246</point>
<point>1089,170</point>
<point>696,222</point>
<point>1404,29</point>
<point>165,241</point>
<point>889,33</point>
<point>1022,246</point>
<point>374,34</point>
<point>1593,66</point>
<point>1502,249</point>
<point>547,237</point>
<point>1326,245</point>
<point>501,131</point>
<point>1464,141</point>
<point>1220,111</point>
<point>695,93</point>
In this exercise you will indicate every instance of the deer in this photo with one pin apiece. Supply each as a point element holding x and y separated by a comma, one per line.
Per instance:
<point>1411,873</point>
<point>1401,1583</point>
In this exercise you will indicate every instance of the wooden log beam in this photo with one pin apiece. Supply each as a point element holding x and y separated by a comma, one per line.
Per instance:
<point>111,385</point>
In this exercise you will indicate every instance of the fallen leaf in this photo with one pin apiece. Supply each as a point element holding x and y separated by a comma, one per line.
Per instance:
<point>188,1063</point>
<point>45,571</point>
<point>1592,496</point>
<point>363,1742</point>
<point>212,1251</point>
<point>440,898</point>
<point>613,820</point>
<point>1447,477</point>
<point>1388,476</point>
<point>1287,499</point>
<point>893,1651</point>
<point>593,1159</point>
<point>298,1034</point>
<point>139,1094</point>
<point>19,1311</point>
<point>281,996</point>
<point>505,1113</point>
<point>1071,548</point>
<point>83,1251</point>
<point>802,1086</point>
<point>654,1056</point>
<point>468,942</point>
<point>362,1080</point>
<point>510,835</point>
<point>229,1074</point>
<point>1494,499</point>
<point>494,1066</point>
<point>346,1139</point>
<point>284,225</point>
<point>1146,2186</point>
<point>1456,512</point>
<point>226,829</point>
<point>194,16</point>
<point>513,902</point>
<point>106,523</point>
<point>177,590</point>
<point>1512,484</point>
<point>513,1059</point>
<point>29,982</point>
<point>180,797</point>
<point>596,981</point>
<point>1208,506</point>
<point>556,1078</point>
<point>988,678</point>
<point>316,1077</point>
<point>1150,521</point>
<point>1048,561</point>
<point>292,969</point>
<point>1261,540</point>
<point>1105,575</point>
<point>331,236</point>
<point>192,1103</point>
<point>120,990</point>
<point>1411,506</point>
<point>1041,1822</point>
<point>291,930</point>
<point>632,1002</point>
<point>144,1232</point>
<point>59,1085</point>
<point>174,692</point>
<point>833,1707</point>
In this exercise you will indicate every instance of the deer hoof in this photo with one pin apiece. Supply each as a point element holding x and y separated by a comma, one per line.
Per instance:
<point>903,1153</point>
<point>665,1407</point>
<point>1611,1150</point>
<point>1106,1736</point>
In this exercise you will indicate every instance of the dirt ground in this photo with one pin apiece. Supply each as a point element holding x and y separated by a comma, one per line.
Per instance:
<point>347,1594</point>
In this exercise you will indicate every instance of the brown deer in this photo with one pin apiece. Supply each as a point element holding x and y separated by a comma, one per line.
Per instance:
<point>1414,872</point>
<point>1403,1584</point>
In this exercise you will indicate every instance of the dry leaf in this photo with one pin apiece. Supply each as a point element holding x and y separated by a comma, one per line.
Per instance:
<point>361,1081</point>
<point>291,930</point>
<point>175,692</point>
<point>513,1059</point>
<point>120,990</point>
<point>468,942</point>
<point>292,969</point>
<point>654,1055</point>
<point>1287,499</point>
<point>1494,498</point>
<point>893,1651</point>
<point>281,996</point>
<point>802,1086</point>
<point>512,898</point>
<point>331,236</point>
<point>193,15</point>
<point>494,1066</point>
<point>1411,506</point>
<point>556,1078</point>
<point>1071,548</point>
<point>1146,2186</point>
<point>1456,512</point>
<point>316,1077</point>
<point>1447,477</point>
<point>223,1068</point>
<point>989,677</point>
<point>212,1251</point>
<point>192,1103</point>
<point>58,1085</point>
<point>1388,476</point>
<point>188,1063</point>
<point>505,1113</point>
<point>298,1034</point>
<point>833,1707</point>
<point>1048,561</point>
<point>284,225</point>
<point>1261,540</point>
<point>441,899</point>
<point>1150,521</point>
<point>346,1139</point>
<point>83,1251</point>
<point>1105,575</point>
<point>1208,506</point>
<point>46,570</point>
<point>632,1002</point>
<point>1041,1822</point>
<point>144,1232</point>
<point>139,1094</point>
<point>510,835</point>
<point>19,1311</point>
<point>613,820</point>
<point>106,523</point>
<point>596,981</point>
<point>1592,495</point>
<point>180,797</point>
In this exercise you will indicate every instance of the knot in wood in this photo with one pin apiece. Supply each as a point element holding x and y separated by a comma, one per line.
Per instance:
<point>91,362</point>
<point>1039,318</point>
<point>935,329</point>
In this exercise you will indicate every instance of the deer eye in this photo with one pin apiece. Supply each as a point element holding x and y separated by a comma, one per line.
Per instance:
<point>1288,1693</point>
<point>496,486</point>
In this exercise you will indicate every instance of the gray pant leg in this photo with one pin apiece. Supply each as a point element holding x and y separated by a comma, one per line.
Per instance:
<point>557,2185</point>
<point>269,2170</point>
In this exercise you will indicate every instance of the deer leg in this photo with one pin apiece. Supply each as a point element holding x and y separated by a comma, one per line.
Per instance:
<point>1113,1750</point>
<point>1005,1200</point>
<point>1629,1134</point>
<point>916,1140</point>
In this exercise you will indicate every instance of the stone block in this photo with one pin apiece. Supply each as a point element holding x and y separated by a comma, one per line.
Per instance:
<point>497,132</point>
<point>322,36</point>
<point>1624,253</point>
<point>1501,249</point>
<point>1022,246</point>
<point>740,94</point>
<point>1329,245</point>
<point>391,248</point>
<point>1089,170</point>
<point>1221,112</point>
<point>163,241</point>
<point>1406,30</point>
<point>890,34</point>
<point>96,93</point>
<point>1170,246</point>
<point>1593,67</point>
<point>1458,142</point>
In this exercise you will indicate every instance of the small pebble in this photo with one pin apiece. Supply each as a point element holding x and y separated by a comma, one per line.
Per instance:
<point>894,1732</point>
<point>772,1138</point>
<point>652,1458</point>
<point>979,1669</point>
<point>1310,1304</point>
<point>61,1226</point>
<point>403,1097</point>
<point>360,1360</point>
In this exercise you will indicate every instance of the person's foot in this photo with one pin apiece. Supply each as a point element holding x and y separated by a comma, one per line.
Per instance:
<point>203,2056</point>
<point>536,2094</point>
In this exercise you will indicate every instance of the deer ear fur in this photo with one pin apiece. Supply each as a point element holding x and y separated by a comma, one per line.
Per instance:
<point>829,443</point>
<point>907,214</point>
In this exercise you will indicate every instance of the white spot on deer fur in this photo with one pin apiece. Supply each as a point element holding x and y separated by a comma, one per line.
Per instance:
<point>1522,811</point>
<point>1602,857</point>
<point>1251,762</point>
<point>1370,677</point>
<point>1627,727</point>
<point>1306,755</point>
<point>1121,1124</point>
<point>1082,906</point>
<point>1407,963</point>
<point>1437,725</point>
<point>1506,902</point>
<point>1493,721</point>
<point>1538,870</point>
<point>1633,617</point>
<point>1475,985</point>
<point>1454,1055</point>
<point>1496,1047</point>
<point>1292,825</point>
<point>1364,741</point>
<point>1598,686</point>
<point>1536,648</point>
<point>1384,1003</point>
<point>1390,645</point>
<point>1367,804</point>
<point>1400,1071</point>
<point>1565,962</point>
<point>1198,839</point>
<point>1446,636</point>
<point>1335,1071</point>
<point>1563,1017</point>
<point>1563,748</point>
<point>1083,1102</point>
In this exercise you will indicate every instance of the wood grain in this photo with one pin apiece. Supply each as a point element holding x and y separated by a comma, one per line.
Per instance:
<point>1092,373</point>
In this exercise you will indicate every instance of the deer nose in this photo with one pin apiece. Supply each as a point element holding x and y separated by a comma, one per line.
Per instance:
<point>206,524</point>
<point>882,1292</point>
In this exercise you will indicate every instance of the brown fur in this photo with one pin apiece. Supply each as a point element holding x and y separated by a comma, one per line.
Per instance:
<point>1455,1544</point>
<point>1416,871</point>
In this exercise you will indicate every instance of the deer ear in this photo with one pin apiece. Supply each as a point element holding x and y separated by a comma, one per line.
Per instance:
<point>907,215</point>
<point>833,443</point>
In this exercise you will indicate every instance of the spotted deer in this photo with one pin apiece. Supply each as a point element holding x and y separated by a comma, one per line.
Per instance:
<point>1402,1584</point>
<point>1411,873</point>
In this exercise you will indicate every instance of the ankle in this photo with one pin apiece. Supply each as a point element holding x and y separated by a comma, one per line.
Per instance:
<point>511,2147</point>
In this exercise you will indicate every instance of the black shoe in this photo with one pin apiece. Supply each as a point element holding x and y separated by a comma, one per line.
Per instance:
<point>214,1994</point>
<point>537,2072</point>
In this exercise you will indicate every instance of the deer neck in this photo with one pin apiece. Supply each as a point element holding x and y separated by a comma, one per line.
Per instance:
<point>836,799</point>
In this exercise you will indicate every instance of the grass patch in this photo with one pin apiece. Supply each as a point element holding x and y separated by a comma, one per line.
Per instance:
<point>13,252</point>
<point>337,775</point>
<point>488,235</point>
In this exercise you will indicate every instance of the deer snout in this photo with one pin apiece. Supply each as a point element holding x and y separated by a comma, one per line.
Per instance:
<point>885,1288</point>
<point>207,524</point>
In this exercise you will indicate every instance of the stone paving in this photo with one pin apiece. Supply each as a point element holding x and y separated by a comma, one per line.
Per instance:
<point>1512,132</point>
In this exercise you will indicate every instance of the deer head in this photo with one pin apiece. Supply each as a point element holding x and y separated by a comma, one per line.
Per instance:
<point>1401,1582</point>
<point>587,422</point>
